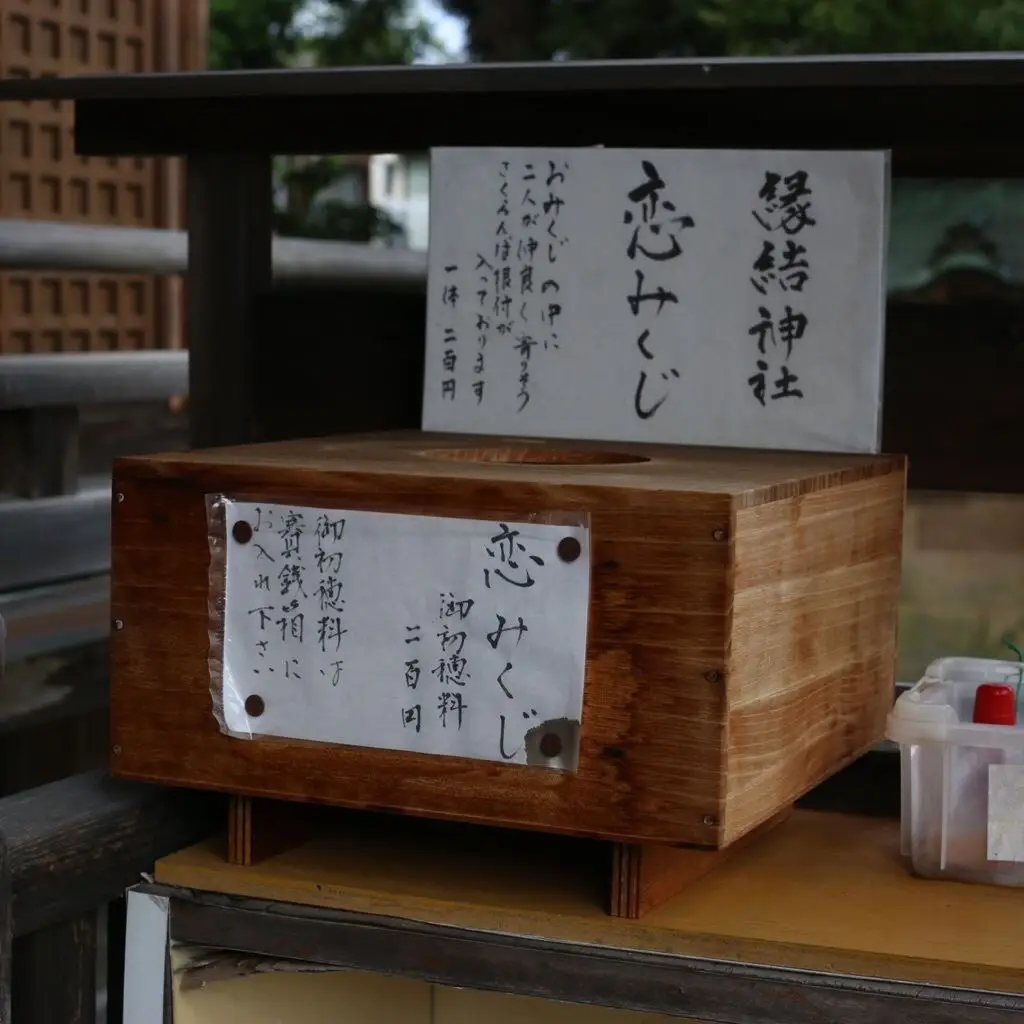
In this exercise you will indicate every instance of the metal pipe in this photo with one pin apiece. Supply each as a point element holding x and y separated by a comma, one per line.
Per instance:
<point>57,617</point>
<point>48,540</point>
<point>90,378</point>
<point>49,245</point>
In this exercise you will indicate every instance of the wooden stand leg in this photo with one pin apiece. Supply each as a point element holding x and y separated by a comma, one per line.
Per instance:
<point>260,829</point>
<point>645,876</point>
<point>240,830</point>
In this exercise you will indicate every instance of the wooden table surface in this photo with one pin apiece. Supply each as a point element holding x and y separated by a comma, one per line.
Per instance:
<point>825,892</point>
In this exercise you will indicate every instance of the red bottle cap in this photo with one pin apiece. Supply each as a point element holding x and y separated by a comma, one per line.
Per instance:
<point>994,704</point>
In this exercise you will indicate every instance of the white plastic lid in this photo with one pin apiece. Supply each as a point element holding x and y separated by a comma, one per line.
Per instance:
<point>924,713</point>
<point>928,712</point>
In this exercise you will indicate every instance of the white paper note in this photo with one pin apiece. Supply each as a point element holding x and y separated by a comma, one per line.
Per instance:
<point>1006,813</point>
<point>692,297</point>
<point>145,957</point>
<point>415,633</point>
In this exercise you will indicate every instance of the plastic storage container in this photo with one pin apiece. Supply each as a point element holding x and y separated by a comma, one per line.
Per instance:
<point>962,783</point>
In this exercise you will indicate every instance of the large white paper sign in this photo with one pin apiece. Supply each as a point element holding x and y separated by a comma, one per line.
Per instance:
<point>416,633</point>
<point>674,296</point>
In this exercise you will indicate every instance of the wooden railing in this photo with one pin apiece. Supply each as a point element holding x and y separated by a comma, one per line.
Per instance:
<point>67,851</point>
<point>54,522</point>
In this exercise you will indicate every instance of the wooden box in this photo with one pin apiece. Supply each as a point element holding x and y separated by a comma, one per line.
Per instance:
<point>741,645</point>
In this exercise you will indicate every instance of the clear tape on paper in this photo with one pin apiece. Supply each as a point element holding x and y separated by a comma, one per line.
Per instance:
<point>426,634</point>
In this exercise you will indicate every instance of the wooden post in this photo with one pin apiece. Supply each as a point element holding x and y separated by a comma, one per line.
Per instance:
<point>39,451</point>
<point>229,216</point>
<point>6,931</point>
<point>117,923</point>
<point>53,977</point>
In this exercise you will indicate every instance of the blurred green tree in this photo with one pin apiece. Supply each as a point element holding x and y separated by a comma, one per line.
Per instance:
<point>253,34</point>
<point>624,29</point>
<point>353,32</point>
<point>263,34</point>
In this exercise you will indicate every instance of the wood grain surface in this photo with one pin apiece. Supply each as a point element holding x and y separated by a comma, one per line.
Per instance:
<point>822,892</point>
<point>647,875</point>
<point>741,645</point>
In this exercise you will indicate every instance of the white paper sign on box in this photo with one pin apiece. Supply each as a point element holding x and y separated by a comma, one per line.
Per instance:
<point>413,633</point>
<point>676,296</point>
<point>1006,813</point>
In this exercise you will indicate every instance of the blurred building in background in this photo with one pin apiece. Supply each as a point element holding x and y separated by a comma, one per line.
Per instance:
<point>41,178</point>
<point>400,187</point>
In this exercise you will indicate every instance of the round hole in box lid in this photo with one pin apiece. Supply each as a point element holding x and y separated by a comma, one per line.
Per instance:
<point>523,456</point>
